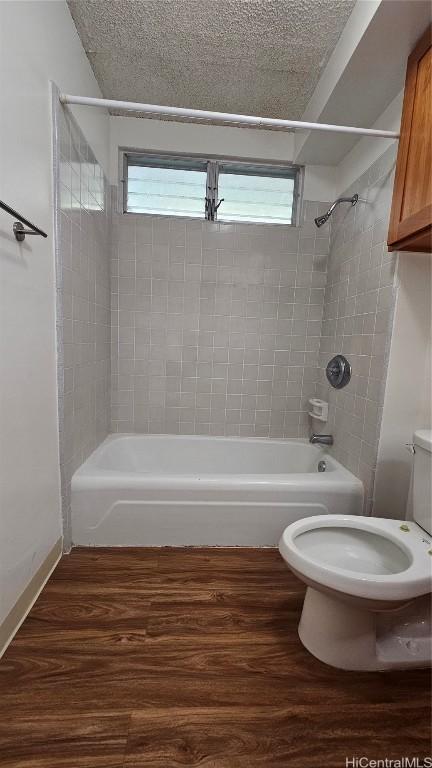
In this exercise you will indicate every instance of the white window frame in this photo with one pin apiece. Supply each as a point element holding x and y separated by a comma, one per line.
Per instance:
<point>213,165</point>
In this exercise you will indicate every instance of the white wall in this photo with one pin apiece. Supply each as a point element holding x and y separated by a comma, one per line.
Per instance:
<point>170,136</point>
<point>360,18</point>
<point>222,141</point>
<point>38,43</point>
<point>367,150</point>
<point>407,402</point>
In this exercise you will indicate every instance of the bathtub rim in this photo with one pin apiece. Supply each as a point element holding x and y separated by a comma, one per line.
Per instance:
<point>90,477</point>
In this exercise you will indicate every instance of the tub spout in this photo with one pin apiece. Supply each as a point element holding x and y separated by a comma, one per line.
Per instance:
<point>321,439</point>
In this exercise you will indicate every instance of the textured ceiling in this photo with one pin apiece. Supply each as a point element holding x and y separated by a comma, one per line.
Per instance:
<point>261,57</point>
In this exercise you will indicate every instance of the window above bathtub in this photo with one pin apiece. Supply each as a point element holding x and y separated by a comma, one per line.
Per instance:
<point>213,189</point>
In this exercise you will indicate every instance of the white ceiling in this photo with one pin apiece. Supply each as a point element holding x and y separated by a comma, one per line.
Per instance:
<point>261,57</point>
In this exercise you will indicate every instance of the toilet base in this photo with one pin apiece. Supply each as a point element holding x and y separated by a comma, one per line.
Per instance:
<point>352,638</point>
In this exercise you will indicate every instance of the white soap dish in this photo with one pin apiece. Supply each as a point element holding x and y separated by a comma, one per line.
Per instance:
<point>319,409</point>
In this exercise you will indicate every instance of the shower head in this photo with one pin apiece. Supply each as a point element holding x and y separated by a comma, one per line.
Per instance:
<point>320,220</point>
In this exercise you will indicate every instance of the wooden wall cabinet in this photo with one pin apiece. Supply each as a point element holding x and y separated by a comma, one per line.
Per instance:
<point>411,214</point>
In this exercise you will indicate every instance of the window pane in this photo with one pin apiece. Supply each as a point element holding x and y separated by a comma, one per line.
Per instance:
<point>255,198</point>
<point>170,191</point>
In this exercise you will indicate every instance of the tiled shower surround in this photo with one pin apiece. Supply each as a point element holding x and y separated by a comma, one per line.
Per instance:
<point>83,241</point>
<point>215,327</point>
<point>358,312</point>
<point>220,329</point>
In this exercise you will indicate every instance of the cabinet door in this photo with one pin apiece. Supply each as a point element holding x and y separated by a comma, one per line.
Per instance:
<point>411,216</point>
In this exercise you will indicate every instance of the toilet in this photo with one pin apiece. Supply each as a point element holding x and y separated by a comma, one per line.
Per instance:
<point>368,599</point>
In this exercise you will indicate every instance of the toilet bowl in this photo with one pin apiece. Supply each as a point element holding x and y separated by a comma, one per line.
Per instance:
<point>369,582</point>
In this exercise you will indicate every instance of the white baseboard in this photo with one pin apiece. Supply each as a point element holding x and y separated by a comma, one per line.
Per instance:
<point>23,605</point>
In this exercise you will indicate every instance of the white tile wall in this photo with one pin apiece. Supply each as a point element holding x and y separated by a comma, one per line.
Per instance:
<point>83,242</point>
<point>357,320</point>
<point>215,327</point>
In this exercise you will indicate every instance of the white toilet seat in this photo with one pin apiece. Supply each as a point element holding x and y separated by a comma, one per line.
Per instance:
<point>371,558</point>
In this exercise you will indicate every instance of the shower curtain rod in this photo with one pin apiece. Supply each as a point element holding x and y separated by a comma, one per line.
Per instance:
<point>225,117</point>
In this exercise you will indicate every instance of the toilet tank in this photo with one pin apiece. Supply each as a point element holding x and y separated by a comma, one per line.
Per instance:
<point>422,487</point>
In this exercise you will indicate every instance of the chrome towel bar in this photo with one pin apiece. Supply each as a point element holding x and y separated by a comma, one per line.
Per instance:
<point>18,227</point>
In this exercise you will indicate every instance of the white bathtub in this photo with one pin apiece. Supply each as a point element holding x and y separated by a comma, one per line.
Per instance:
<point>162,490</point>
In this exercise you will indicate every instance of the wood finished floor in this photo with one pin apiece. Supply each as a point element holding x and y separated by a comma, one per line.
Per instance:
<point>139,658</point>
